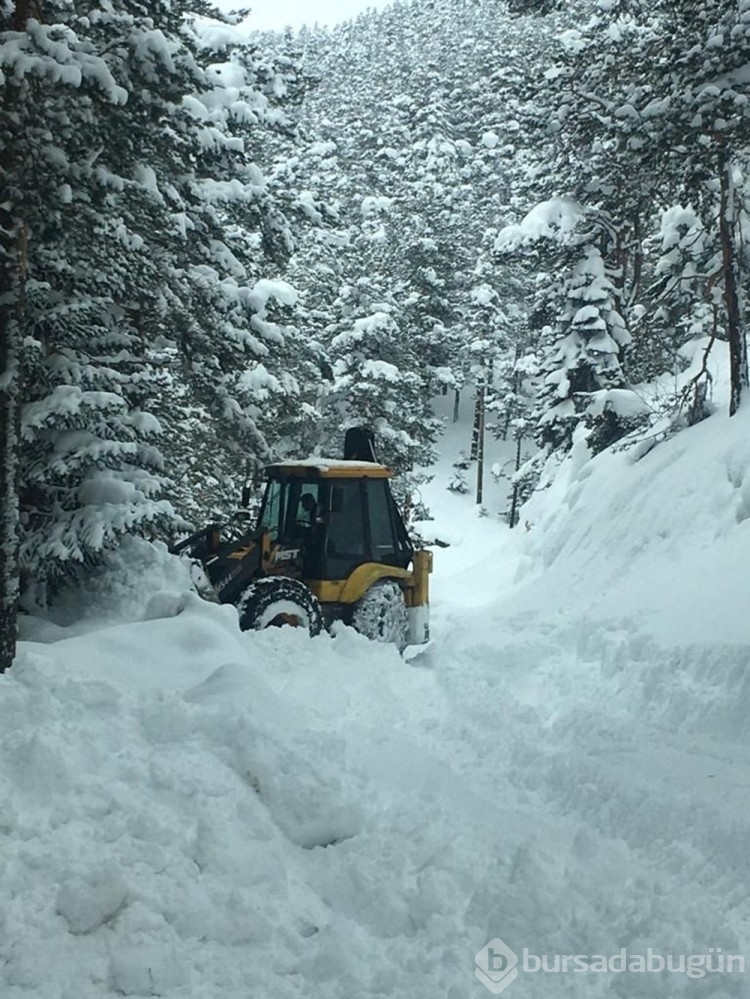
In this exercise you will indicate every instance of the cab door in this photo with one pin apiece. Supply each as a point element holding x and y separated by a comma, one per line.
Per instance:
<point>346,544</point>
<point>389,541</point>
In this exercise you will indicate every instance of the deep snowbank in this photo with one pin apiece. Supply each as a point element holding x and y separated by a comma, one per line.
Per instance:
<point>162,803</point>
<point>656,535</point>
<point>187,811</point>
<point>661,542</point>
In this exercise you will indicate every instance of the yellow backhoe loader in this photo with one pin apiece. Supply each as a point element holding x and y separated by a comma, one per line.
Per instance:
<point>330,544</point>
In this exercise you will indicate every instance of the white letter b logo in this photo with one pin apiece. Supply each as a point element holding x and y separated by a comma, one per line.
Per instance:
<point>496,966</point>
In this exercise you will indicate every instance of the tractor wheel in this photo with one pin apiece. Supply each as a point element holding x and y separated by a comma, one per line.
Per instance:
<point>277,600</point>
<point>381,614</point>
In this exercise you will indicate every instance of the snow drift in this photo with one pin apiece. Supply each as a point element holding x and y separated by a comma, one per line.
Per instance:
<point>188,811</point>
<point>661,541</point>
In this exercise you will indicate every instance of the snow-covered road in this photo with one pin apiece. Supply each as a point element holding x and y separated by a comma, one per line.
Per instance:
<point>186,811</point>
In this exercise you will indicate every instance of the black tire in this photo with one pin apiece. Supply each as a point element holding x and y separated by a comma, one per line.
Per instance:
<point>277,600</point>
<point>381,614</point>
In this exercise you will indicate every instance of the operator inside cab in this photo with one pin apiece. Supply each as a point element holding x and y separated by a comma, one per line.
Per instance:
<point>306,515</point>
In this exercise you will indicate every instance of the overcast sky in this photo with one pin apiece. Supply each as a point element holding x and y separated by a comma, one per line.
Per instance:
<point>271,14</point>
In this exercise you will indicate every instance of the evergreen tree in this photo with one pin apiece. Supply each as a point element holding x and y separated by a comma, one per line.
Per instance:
<point>139,228</point>
<point>648,108</point>
<point>376,384</point>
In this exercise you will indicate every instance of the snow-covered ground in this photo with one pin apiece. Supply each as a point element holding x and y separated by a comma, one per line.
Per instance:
<point>188,811</point>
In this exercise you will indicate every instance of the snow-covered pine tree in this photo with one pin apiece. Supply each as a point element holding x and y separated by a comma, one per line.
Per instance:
<point>401,171</point>
<point>356,276</point>
<point>651,111</point>
<point>147,225</point>
<point>586,357</point>
<point>230,328</point>
<point>55,84</point>
<point>95,276</point>
<point>681,309</point>
<point>577,311</point>
<point>376,383</point>
<point>704,119</point>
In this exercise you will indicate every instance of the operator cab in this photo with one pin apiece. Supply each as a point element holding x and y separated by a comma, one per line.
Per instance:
<point>327,517</point>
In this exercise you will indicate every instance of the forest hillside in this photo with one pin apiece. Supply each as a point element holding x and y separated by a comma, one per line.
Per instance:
<point>220,248</point>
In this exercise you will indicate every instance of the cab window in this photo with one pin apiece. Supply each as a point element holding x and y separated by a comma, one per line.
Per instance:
<point>271,514</point>
<point>345,547</point>
<point>304,508</point>
<point>381,523</point>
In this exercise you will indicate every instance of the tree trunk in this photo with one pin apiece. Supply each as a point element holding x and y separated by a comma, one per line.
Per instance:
<point>9,419</point>
<point>456,401</point>
<point>12,271</point>
<point>738,372</point>
<point>635,285</point>
<point>475,429</point>
<point>21,14</point>
<point>480,443</point>
<point>515,387</point>
<point>516,487</point>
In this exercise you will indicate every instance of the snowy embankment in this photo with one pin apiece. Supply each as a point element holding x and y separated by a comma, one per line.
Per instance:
<point>661,541</point>
<point>189,811</point>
